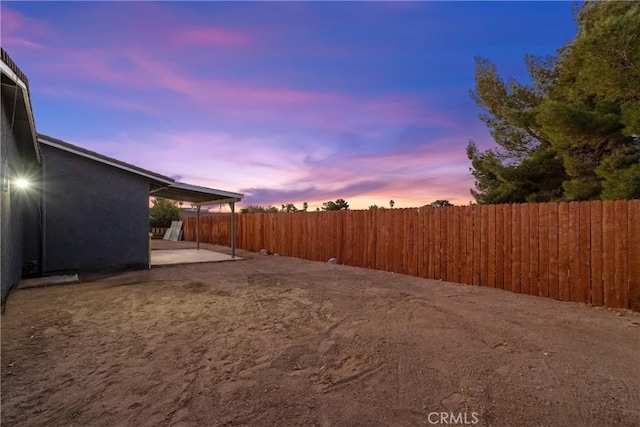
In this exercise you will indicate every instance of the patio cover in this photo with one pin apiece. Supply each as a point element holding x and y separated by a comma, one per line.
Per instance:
<point>202,196</point>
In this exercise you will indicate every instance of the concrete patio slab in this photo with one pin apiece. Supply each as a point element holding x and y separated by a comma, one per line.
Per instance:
<point>47,281</point>
<point>187,256</point>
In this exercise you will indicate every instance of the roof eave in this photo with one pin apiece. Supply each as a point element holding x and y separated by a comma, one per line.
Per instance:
<point>24,89</point>
<point>70,148</point>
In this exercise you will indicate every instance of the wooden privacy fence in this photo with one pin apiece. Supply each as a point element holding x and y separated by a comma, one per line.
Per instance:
<point>585,252</point>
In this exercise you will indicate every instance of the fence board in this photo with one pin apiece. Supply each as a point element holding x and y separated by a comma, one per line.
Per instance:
<point>543,252</point>
<point>622,255</point>
<point>476,245</point>
<point>451,242</point>
<point>574,253</point>
<point>534,250</point>
<point>634,254</point>
<point>432,242</point>
<point>484,245</point>
<point>584,252</point>
<point>608,252</point>
<point>564,249</point>
<point>525,236</point>
<point>462,255</point>
<point>515,254</point>
<point>437,242</point>
<point>554,250</point>
<point>499,230</point>
<point>491,246</point>
<point>596,291</point>
<point>423,233</point>
<point>415,253</point>
<point>508,248</point>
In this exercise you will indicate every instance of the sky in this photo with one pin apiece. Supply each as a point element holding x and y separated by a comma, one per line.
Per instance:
<point>285,102</point>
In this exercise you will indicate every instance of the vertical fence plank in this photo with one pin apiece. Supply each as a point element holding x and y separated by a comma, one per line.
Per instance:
<point>383,241</point>
<point>634,254</point>
<point>402,242</point>
<point>564,249</point>
<point>585,252</point>
<point>554,250</point>
<point>524,248</point>
<point>437,228</point>
<point>621,255</point>
<point>484,245</point>
<point>476,244</point>
<point>515,254</point>
<point>444,243</point>
<point>596,291</point>
<point>453,224</point>
<point>462,254</point>
<point>534,249</point>
<point>470,245</point>
<point>420,237</point>
<point>543,250</point>
<point>416,249</point>
<point>608,252</point>
<point>491,246</point>
<point>428,243</point>
<point>508,263</point>
<point>574,252</point>
<point>499,230</point>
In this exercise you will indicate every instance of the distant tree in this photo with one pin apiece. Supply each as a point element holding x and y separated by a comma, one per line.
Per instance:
<point>374,207</point>
<point>163,212</point>
<point>289,207</point>
<point>305,206</point>
<point>440,203</point>
<point>258,209</point>
<point>317,209</point>
<point>391,203</point>
<point>338,205</point>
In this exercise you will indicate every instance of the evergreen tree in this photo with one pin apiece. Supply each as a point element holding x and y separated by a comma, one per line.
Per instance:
<point>574,133</point>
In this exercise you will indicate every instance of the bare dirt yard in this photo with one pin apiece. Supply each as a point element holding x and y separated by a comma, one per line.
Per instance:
<point>280,341</point>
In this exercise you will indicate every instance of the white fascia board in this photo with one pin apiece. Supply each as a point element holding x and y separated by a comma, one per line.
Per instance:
<point>104,161</point>
<point>13,76</point>
<point>228,194</point>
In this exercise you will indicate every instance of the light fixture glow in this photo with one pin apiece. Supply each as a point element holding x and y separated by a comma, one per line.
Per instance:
<point>22,183</point>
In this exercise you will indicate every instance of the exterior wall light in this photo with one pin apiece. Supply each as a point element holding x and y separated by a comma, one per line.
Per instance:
<point>22,183</point>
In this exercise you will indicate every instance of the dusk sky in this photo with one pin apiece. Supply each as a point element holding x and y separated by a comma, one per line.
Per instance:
<point>285,102</point>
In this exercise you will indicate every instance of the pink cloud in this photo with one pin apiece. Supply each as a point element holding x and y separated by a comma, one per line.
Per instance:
<point>19,31</point>
<point>107,100</point>
<point>214,36</point>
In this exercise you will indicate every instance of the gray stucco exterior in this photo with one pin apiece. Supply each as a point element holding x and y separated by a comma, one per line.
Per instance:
<point>96,216</point>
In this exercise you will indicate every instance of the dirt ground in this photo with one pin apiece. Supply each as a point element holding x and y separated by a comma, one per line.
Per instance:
<point>279,341</point>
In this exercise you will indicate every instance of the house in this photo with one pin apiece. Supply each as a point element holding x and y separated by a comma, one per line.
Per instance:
<point>82,211</point>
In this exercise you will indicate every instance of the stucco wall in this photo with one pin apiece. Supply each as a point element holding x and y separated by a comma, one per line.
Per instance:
<point>19,221</point>
<point>96,216</point>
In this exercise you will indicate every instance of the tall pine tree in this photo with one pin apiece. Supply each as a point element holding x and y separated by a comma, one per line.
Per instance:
<point>574,134</point>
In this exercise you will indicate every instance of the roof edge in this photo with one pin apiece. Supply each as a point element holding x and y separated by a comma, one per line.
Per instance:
<point>185,186</point>
<point>92,155</point>
<point>11,69</point>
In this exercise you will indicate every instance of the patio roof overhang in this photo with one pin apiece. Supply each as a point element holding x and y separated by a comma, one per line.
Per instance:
<point>201,196</point>
<point>196,195</point>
